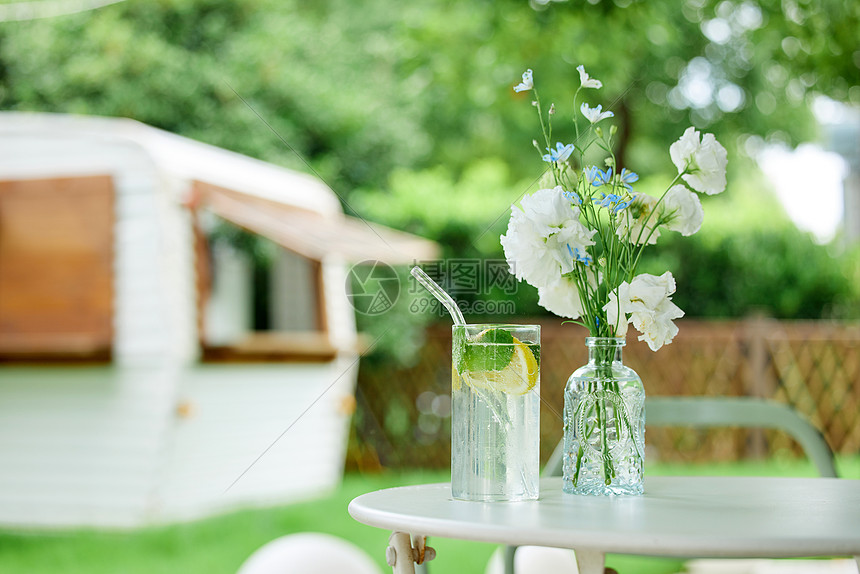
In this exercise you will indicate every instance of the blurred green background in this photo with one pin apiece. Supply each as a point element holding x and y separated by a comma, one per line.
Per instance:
<point>407,111</point>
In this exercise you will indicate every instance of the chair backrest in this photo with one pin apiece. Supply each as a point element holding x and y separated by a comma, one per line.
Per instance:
<point>729,412</point>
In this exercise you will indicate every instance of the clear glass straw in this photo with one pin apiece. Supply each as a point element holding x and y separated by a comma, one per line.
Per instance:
<point>440,294</point>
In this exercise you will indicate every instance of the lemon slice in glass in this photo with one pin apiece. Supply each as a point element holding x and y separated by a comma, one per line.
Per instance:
<point>517,378</point>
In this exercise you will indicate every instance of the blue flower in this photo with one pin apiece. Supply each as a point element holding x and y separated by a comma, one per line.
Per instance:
<point>597,177</point>
<point>594,115</point>
<point>583,256</point>
<point>560,153</point>
<point>606,200</point>
<point>611,201</point>
<point>580,255</point>
<point>573,197</point>
<point>526,84</point>
<point>621,205</point>
<point>628,177</point>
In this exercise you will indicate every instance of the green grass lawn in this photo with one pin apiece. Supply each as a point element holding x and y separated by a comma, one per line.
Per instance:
<point>219,545</point>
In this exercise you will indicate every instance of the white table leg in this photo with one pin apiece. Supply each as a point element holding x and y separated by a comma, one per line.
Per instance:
<point>857,560</point>
<point>399,553</point>
<point>589,561</point>
<point>404,552</point>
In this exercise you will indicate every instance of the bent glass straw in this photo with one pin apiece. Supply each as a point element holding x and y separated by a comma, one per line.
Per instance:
<point>440,294</point>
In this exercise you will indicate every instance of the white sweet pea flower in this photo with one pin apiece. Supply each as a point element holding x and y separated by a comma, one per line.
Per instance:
<point>616,313</point>
<point>548,209</point>
<point>683,211</point>
<point>570,242</point>
<point>527,253</point>
<point>594,115</point>
<point>652,310</point>
<point>632,220</point>
<point>543,235</point>
<point>682,150</point>
<point>704,161</point>
<point>657,327</point>
<point>558,223</point>
<point>586,81</point>
<point>561,299</point>
<point>650,290</point>
<point>647,300</point>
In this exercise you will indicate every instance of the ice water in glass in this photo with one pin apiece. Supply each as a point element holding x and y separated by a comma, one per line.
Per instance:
<point>495,419</point>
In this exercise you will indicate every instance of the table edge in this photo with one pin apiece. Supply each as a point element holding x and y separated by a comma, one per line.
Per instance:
<point>678,546</point>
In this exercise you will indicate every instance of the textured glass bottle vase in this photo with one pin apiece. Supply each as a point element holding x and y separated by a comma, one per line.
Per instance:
<point>604,424</point>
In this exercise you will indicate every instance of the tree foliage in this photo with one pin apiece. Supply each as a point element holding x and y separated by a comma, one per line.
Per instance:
<point>359,88</point>
<point>402,100</point>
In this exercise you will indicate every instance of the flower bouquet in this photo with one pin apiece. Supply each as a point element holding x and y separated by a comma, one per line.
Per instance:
<point>579,240</point>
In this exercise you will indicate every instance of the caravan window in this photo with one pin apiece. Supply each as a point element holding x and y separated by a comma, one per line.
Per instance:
<point>260,301</point>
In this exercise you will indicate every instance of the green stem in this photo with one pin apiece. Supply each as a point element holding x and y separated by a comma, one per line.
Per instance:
<point>604,373</point>
<point>642,245</point>
<point>608,471</point>
<point>579,454</point>
<point>540,117</point>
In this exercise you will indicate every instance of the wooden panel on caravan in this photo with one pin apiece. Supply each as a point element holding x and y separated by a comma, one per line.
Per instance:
<point>56,267</point>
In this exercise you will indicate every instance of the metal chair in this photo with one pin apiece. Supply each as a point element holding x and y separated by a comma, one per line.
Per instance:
<point>706,412</point>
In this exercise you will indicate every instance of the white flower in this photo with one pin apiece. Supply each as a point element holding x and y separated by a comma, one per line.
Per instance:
<point>632,221</point>
<point>543,235</point>
<point>683,210</point>
<point>527,253</point>
<point>657,327</point>
<point>616,314</point>
<point>704,161</point>
<point>585,81</point>
<point>557,221</point>
<point>561,299</point>
<point>647,300</point>
<point>649,290</point>
<point>652,310</point>
<point>527,83</point>
<point>682,150</point>
<point>594,115</point>
<point>548,209</point>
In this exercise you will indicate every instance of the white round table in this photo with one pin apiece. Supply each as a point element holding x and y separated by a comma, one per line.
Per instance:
<point>708,517</point>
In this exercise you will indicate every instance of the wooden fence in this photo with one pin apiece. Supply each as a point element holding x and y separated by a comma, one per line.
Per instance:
<point>402,418</point>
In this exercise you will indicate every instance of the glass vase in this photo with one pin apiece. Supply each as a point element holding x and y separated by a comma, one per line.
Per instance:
<point>604,424</point>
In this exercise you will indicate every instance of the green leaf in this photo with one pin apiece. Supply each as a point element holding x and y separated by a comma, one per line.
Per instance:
<point>490,351</point>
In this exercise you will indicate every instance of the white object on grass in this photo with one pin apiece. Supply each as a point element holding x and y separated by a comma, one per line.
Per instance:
<point>309,553</point>
<point>535,560</point>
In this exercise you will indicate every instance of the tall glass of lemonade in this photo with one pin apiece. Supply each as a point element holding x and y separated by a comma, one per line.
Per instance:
<point>495,421</point>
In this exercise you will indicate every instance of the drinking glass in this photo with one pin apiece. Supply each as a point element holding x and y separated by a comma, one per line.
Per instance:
<point>495,419</point>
